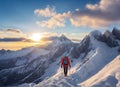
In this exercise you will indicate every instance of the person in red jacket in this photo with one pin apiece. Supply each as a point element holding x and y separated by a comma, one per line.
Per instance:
<point>65,62</point>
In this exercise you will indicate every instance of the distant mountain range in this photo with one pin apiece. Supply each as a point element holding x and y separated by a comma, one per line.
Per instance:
<point>92,60</point>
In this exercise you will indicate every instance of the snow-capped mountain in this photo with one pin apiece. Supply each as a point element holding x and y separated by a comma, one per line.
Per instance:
<point>28,64</point>
<point>90,61</point>
<point>40,66</point>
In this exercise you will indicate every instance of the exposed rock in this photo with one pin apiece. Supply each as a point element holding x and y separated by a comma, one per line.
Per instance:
<point>109,39</point>
<point>116,33</point>
<point>96,34</point>
<point>83,47</point>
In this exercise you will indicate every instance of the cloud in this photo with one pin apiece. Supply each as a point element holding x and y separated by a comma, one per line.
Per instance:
<point>47,12</point>
<point>11,33</point>
<point>55,19</point>
<point>48,36</point>
<point>77,36</point>
<point>107,9</point>
<point>105,6</point>
<point>14,30</point>
<point>88,21</point>
<point>15,40</point>
<point>105,13</point>
<point>101,14</point>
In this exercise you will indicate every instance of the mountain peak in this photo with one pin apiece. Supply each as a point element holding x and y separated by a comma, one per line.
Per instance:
<point>62,35</point>
<point>64,38</point>
<point>108,33</point>
<point>95,33</point>
<point>116,33</point>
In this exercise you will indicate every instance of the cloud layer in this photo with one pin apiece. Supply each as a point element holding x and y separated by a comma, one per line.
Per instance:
<point>104,13</point>
<point>11,33</point>
<point>15,40</point>
<point>101,14</point>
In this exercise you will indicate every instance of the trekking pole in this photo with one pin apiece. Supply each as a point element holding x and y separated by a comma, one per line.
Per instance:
<point>68,71</point>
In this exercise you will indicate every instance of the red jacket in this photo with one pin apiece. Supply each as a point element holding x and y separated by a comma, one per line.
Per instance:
<point>62,62</point>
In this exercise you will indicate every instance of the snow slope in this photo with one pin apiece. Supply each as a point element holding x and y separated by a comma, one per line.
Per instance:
<point>109,76</point>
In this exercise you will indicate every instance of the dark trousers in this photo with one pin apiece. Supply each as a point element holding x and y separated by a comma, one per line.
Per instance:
<point>65,71</point>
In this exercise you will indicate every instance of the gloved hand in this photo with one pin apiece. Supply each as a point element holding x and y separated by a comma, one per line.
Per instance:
<point>70,66</point>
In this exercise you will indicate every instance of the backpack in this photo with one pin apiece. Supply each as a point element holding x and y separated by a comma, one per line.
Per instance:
<point>65,61</point>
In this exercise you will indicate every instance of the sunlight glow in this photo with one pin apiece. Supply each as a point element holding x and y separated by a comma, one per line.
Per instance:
<point>36,37</point>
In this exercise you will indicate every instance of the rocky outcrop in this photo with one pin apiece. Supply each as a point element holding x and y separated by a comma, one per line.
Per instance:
<point>83,47</point>
<point>116,33</point>
<point>109,39</point>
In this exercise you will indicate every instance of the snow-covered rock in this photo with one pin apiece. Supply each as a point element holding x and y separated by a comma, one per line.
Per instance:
<point>109,38</point>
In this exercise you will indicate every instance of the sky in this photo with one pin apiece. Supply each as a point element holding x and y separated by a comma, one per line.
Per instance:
<point>73,18</point>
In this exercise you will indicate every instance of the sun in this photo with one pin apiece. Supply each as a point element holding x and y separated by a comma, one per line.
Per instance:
<point>36,37</point>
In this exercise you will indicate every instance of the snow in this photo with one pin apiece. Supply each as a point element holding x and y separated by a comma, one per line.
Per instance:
<point>21,62</point>
<point>82,70</point>
<point>95,33</point>
<point>25,85</point>
<point>86,72</point>
<point>16,54</point>
<point>37,52</point>
<point>108,76</point>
